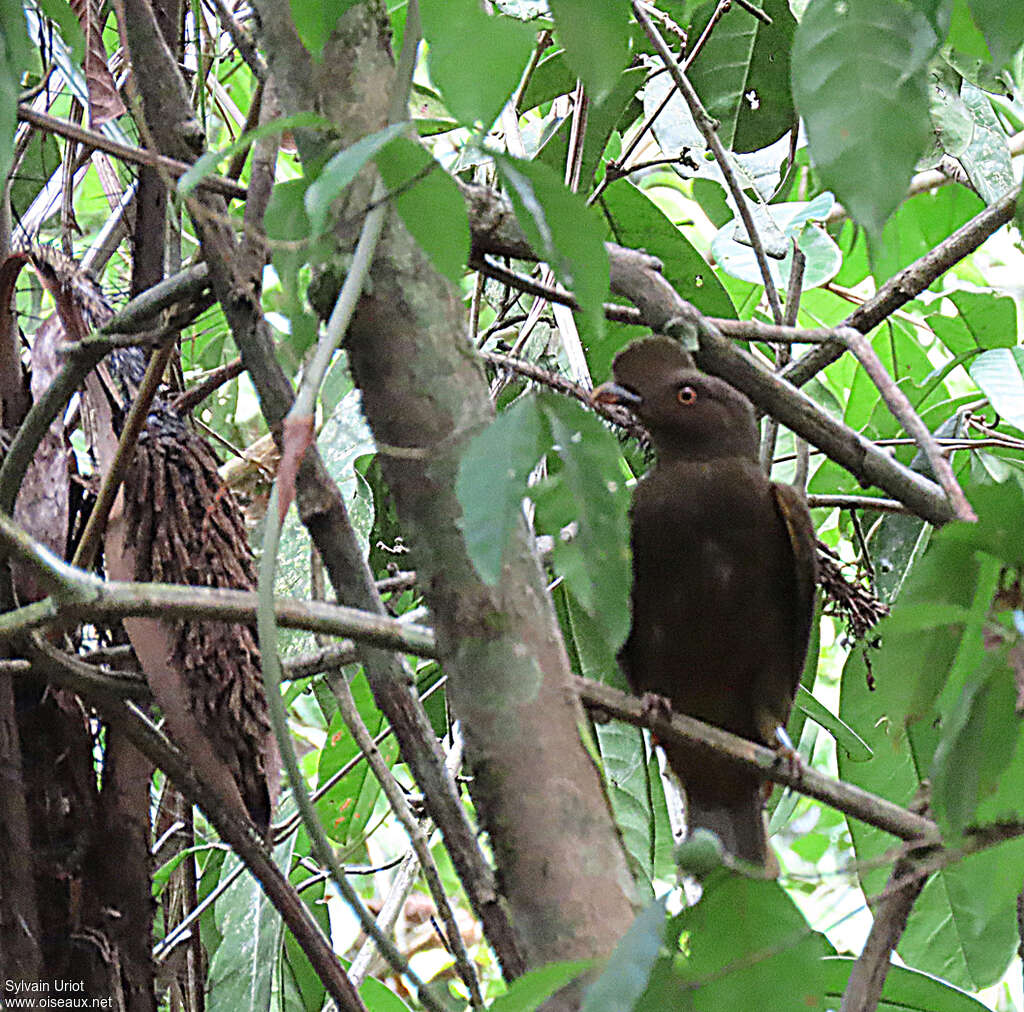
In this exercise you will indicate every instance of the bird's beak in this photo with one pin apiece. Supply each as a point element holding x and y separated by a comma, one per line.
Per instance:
<point>612,393</point>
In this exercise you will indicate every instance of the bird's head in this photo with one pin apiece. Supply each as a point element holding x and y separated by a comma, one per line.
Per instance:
<point>689,415</point>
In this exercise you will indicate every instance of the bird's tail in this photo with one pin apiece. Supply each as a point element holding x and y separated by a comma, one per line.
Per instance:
<point>739,823</point>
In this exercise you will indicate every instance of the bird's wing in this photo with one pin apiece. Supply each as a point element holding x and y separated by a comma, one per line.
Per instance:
<point>797,519</point>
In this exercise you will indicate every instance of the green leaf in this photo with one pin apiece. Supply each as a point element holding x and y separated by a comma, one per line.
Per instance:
<point>475,60</point>
<point>15,57</point>
<point>742,73</point>
<point>242,970</point>
<point>744,944</point>
<point>978,743</point>
<point>859,83</point>
<point>823,257</point>
<point>987,158</point>
<point>857,749</point>
<point>964,926</point>
<point>347,806</point>
<point>918,226</point>
<point>492,481</point>
<point>208,163</point>
<point>71,31</point>
<point>637,796</point>
<point>1000,375</point>
<point>635,220</point>
<point>985,320</point>
<point>1002,24</point>
<point>905,989</point>
<point>593,478</point>
<point>315,21</point>
<point>629,967</point>
<point>562,230</point>
<point>341,170</point>
<point>378,997</point>
<point>531,990</point>
<point>595,34</point>
<point>429,203</point>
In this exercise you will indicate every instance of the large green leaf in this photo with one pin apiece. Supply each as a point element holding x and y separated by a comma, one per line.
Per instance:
<point>346,807</point>
<point>1000,374</point>
<point>596,39</point>
<point>243,967</point>
<point>340,171</point>
<point>987,157</point>
<point>744,944</point>
<point>562,230</point>
<point>637,795</point>
<point>905,990</point>
<point>635,220</point>
<point>475,60</point>
<point>315,21</point>
<point>1002,24</point>
<point>984,320</point>
<point>594,558</point>
<point>822,257</point>
<point>429,203</point>
<point>742,73</point>
<point>15,55</point>
<point>492,482</point>
<point>529,992</point>
<point>936,701</point>
<point>860,85</point>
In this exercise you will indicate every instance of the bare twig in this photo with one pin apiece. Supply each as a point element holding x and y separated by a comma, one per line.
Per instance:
<point>138,156</point>
<point>709,129</point>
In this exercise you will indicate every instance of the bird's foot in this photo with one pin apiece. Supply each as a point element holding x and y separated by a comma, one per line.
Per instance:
<point>654,706</point>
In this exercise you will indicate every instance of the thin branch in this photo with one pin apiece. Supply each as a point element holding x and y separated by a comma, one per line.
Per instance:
<point>709,129</point>
<point>905,414</point>
<point>138,156</point>
<point>909,283</point>
<point>396,799</point>
<point>80,595</point>
<point>846,798</point>
<point>867,977</point>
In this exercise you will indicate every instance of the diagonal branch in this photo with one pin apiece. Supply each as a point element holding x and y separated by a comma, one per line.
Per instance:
<point>852,801</point>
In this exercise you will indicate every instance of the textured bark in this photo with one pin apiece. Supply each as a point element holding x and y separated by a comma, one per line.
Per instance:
<point>20,955</point>
<point>424,393</point>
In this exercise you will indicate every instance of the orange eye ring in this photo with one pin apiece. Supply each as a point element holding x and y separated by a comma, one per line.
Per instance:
<point>686,395</point>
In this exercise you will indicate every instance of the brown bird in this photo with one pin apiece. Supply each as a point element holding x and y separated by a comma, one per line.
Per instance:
<point>723,581</point>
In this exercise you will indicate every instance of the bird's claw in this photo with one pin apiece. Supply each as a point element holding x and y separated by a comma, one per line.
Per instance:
<point>655,706</point>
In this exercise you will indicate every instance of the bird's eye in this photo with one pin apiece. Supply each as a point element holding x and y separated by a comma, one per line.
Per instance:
<point>686,395</point>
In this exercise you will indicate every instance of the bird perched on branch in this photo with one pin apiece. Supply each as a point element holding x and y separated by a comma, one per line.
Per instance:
<point>723,581</point>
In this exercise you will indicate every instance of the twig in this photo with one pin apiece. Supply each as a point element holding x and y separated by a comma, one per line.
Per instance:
<point>710,131</point>
<point>867,976</point>
<point>904,412</point>
<point>138,156</point>
<point>396,799</point>
<point>909,283</point>
<point>81,595</point>
<point>85,554</point>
